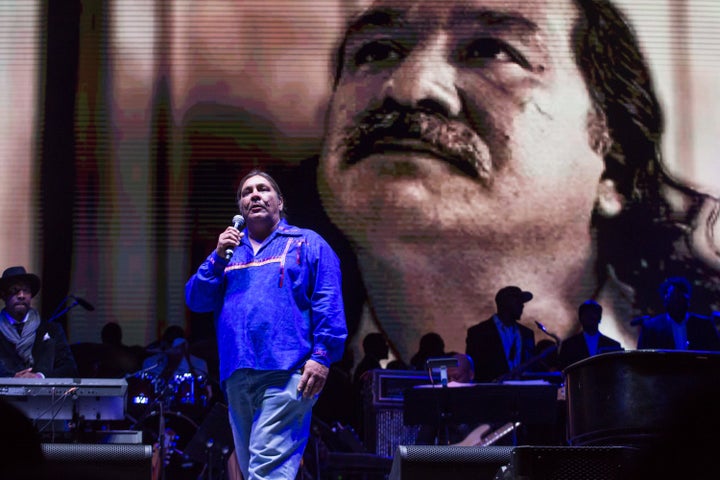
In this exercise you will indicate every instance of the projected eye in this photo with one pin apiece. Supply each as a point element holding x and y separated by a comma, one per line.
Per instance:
<point>482,51</point>
<point>377,53</point>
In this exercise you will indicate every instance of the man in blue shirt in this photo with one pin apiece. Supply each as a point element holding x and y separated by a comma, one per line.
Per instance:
<point>678,328</point>
<point>275,290</point>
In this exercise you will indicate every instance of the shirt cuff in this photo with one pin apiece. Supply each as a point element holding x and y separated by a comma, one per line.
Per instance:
<point>320,355</point>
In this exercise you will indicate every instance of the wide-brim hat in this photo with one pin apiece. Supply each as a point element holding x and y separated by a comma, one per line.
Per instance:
<point>14,274</point>
<point>512,293</point>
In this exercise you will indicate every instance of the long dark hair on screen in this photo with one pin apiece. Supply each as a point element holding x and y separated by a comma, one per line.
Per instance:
<point>665,227</point>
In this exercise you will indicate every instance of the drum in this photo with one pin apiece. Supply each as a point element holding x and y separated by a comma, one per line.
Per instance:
<point>189,395</point>
<point>169,445</point>
<point>142,391</point>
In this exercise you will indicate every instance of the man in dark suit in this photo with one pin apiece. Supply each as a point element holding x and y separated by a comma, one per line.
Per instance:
<point>29,347</point>
<point>678,328</point>
<point>590,341</point>
<point>499,345</point>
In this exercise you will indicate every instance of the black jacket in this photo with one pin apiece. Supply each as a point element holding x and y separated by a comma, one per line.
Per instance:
<point>51,353</point>
<point>484,345</point>
<point>573,349</point>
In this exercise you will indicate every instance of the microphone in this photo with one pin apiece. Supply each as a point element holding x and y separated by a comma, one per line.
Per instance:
<point>238,221</point>
<point>83,303</point>
<point>545,331</point>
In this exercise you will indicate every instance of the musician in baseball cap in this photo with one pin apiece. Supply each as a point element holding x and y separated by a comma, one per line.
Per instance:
<point>29,347</point>
<point>500,344</point>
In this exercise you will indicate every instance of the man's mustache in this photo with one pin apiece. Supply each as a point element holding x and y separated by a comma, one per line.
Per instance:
<point>380,130</point>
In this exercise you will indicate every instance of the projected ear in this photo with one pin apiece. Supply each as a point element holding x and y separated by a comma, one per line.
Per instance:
<point>609,201</point>
<point>598,133</point>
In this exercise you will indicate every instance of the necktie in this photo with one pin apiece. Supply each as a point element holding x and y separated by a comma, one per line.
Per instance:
<point>19,327</point>
<point>512,356</point>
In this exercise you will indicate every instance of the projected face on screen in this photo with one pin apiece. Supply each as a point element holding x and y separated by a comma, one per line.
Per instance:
<point>459,159</point>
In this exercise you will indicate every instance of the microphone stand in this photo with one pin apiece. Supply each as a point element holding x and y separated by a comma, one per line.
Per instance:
<point>442,398</point>
<point>515,372</point>
<point>57,314</point>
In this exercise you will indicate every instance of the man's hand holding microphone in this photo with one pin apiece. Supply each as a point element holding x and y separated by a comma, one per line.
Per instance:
<point>230,238</point>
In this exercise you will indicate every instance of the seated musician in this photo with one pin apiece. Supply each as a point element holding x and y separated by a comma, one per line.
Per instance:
<point>678,328</point>
<point>174,358</point>
<point>499,345</point>
<point>174,365</point>
<point>30,347</point>
<point>458,376</point>
<point>473,434</point>
<point>590,341</point>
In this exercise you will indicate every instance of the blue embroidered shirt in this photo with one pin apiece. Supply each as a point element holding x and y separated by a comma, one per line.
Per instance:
<point>277,308</point>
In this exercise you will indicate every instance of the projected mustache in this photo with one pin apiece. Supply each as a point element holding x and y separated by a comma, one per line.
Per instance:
<point>384,129</point>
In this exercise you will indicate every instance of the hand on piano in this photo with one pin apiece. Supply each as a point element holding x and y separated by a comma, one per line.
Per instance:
<point>28,373</point>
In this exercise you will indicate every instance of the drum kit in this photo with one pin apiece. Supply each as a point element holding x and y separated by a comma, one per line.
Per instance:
<point>168,412</point>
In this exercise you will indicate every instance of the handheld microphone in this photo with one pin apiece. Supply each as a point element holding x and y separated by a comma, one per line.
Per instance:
<point>83,303</point>
<point>238,221</point>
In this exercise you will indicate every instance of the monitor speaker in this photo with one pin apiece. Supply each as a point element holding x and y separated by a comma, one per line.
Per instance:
<point>574,463</point>
<point>91,461</point>
<point>426,462</point>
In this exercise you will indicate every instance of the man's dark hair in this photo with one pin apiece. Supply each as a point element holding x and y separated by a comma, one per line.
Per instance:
<point>111,334</point>
<point>589,305</point>
<point>647,241</point>
<point>373,340</point>
<point>266,176</point>
<point>172,333</point>
<point>677,283</point>
<point>374,344</point>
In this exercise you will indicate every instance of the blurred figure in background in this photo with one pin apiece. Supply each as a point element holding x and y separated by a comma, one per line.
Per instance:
<point>678,328</point>
<point>590,341</point>
<point>117,359</point>
<point>431,345</point>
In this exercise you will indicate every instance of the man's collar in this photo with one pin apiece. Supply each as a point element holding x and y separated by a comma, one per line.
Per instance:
<point>682,322</point>
<point>501,324</point>
<point>282,228</point>
<point>12,320</point>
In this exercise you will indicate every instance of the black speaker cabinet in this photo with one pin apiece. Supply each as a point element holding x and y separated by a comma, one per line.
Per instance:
<point>574,463</point>
<point>432,462</point>
<point>92,461</point>
<point>383,426</point>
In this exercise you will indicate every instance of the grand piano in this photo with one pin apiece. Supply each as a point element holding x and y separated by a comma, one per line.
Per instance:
<point>634,397</point>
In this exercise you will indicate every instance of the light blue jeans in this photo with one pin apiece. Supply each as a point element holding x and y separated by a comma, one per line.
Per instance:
<point>270,422</point>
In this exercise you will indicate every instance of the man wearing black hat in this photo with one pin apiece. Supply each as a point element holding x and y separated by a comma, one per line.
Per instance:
<point>29,347</point>
<point>500,344</point>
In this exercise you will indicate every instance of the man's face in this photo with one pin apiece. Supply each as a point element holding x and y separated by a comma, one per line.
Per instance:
<point>590,320</point>
<point>676,301</point>
<point>17,299</point>
<point>259,201</point>
<point>451,117</point>
<point>510,310</point>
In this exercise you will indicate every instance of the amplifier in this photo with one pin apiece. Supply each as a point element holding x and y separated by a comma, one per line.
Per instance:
<point>383,393</point>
